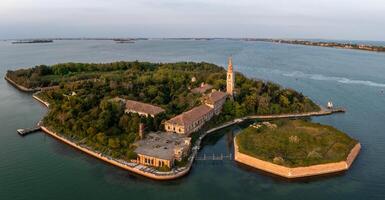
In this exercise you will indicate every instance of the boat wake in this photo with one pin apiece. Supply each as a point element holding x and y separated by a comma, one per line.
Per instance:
<point>321,77</point>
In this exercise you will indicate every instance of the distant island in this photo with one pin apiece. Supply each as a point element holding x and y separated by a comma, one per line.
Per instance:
<point>363,47</point>
<point>295,148</point>
<point>122,41</point>
<point>150,118</point>
<point>31,41</point>
<point>50,40</point>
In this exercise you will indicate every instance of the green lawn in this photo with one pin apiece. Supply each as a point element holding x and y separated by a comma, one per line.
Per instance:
<point>296,143</point>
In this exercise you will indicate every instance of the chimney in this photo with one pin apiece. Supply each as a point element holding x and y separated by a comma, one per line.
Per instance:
<point>141,131</point>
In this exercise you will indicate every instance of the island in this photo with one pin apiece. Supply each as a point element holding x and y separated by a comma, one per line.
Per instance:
<point>295,148</point>
<point>32,41</point>
<point>150,118</point>
<point>364,47</point>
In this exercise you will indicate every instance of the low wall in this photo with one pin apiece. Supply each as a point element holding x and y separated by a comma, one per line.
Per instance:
<point>20,87</point>
<point>40,100</point>
<point>296,172</point>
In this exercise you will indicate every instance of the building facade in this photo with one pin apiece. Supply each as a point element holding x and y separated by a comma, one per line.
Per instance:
<point>215,100</point>
<point>162,149</point>
<point>190,121</point>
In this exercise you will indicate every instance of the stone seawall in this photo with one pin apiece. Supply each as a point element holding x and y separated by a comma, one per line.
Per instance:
<point>40,100</point>
<point>111,160</point>
<point>20,87</point>
<point>115,162</point>
<point>296,172</point>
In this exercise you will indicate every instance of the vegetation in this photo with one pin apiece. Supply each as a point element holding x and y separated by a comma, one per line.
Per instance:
<point>81,107</point>
<point>295,143</point>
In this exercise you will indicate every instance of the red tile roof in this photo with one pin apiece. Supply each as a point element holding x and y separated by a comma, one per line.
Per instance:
<point>143,107</point>
<point>215,96</point>
<point>190,116</point>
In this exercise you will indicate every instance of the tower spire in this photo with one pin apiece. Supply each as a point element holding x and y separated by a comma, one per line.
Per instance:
<point>230,63</point>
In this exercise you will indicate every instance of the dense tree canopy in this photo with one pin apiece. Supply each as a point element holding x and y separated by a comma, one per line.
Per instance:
<point>81,108</point>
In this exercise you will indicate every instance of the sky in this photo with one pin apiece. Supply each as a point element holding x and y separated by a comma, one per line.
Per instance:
<point>325,19</point>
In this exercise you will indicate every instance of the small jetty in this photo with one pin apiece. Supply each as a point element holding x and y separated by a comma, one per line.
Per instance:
<point>26,131</point>
<point>338,110</point>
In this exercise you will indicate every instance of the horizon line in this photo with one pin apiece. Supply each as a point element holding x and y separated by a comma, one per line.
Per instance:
<point>186,38</point>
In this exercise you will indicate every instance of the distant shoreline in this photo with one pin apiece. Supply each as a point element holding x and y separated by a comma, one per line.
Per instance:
<point>32,41</point>
<point>340,45</point>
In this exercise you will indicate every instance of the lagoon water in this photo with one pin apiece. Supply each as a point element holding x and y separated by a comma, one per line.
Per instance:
<point>39,167</point>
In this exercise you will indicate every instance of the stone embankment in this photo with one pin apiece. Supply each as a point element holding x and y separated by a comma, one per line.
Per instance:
<point>20,87</point>
<point>40,100</point>
<point>130,166</point>
<point>296,172</point>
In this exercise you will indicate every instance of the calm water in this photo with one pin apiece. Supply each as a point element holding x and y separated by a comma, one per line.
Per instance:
<point>39,167</point>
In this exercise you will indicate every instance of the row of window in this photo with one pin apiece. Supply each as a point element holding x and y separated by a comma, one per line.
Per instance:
<point>149,161</point>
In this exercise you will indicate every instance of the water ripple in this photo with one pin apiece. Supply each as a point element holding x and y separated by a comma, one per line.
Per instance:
<point>321,77</point>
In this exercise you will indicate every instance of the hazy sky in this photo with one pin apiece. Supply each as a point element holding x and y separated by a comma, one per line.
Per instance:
<point>329,19</point>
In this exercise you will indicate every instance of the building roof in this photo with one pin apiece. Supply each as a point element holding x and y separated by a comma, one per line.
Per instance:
<point>202,88</point>
<point>143,107</point>
<point>190,116</point>
<point>215,96</point>
<point>161,145</point>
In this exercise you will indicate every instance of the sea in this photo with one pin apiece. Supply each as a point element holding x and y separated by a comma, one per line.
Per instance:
<point>39,167</point>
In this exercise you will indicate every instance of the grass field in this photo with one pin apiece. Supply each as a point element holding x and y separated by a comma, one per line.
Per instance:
<point>296,143</point>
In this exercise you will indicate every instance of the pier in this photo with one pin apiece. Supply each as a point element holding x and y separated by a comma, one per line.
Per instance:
<point>26,131</point>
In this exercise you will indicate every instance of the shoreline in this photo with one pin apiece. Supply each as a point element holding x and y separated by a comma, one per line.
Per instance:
<point>153,173</point>
<point>130,166</point>
<point>40,100</point>
<point>134,168</point>
<point>296,172</point>
<point>336,45</point>
<point>20,87</point>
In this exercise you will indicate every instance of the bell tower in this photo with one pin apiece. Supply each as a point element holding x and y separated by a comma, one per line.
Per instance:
<point>230,78</point>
